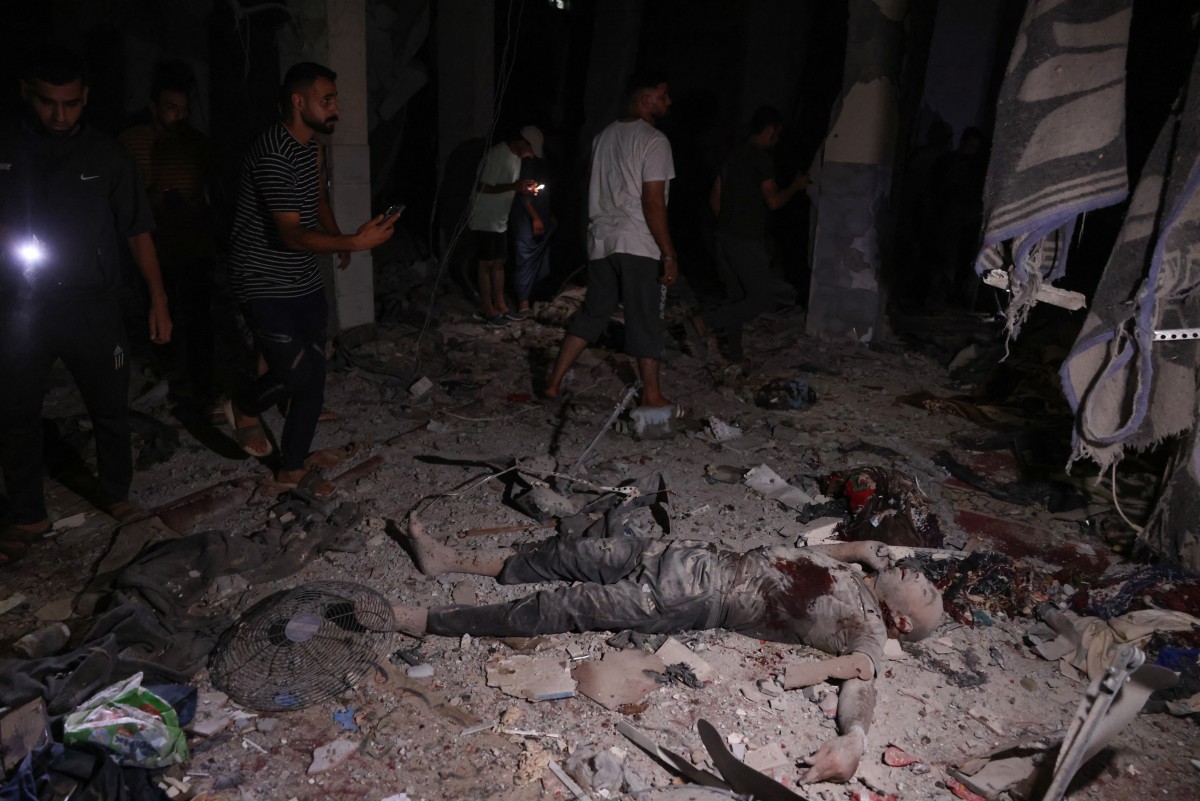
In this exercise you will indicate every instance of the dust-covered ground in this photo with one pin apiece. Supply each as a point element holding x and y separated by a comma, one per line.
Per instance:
<point>448,735</point>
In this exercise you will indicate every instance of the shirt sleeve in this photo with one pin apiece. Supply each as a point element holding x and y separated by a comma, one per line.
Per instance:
<point>131,208</point>
<point>658,164</point>
<point>276,181</point>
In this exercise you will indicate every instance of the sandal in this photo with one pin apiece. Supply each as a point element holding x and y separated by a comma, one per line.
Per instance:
<point>252,438</point>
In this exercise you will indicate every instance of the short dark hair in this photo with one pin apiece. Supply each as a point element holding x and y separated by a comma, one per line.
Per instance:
<point>764,117</point>
<point>172,75</point>
<point>643,80</point>
<point>300,77</point>
<point>53,64</point>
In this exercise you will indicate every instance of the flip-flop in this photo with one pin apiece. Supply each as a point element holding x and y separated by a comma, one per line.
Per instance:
<point>248,436</point>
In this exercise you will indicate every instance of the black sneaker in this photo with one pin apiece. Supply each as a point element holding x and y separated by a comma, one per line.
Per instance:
<point>499,321</point>
<point>518,316</point>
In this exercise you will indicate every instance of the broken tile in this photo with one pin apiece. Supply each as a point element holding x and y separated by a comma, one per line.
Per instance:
<point>619,678</point>
<point>332,755</point>
<point>770,484</point>
<point>817,531</point>
<point>61,609</point>
<point>531,678</point>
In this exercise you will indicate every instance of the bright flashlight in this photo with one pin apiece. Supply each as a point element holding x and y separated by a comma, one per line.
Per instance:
<point>31,253</point>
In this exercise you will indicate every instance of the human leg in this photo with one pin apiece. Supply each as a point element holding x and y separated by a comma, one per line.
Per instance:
<point>289,334</point>
<point>487,292</point>
<point>97,357</point>
<point>603,295</point>
<point>645,585</point>
<point>746,272</point>
<point>642,294</point>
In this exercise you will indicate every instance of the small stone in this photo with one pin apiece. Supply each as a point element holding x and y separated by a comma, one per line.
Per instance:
<point>332,755</point>
<point>267,725</point>
<point>421,671</point>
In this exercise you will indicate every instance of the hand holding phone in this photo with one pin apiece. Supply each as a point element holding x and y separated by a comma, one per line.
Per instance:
<point>394,210</point>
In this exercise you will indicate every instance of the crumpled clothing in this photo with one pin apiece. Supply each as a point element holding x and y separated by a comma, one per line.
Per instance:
<point>1097,640</point>
<point>887,506</point>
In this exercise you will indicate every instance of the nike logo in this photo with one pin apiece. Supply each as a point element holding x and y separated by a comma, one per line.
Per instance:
<point>83,177</point>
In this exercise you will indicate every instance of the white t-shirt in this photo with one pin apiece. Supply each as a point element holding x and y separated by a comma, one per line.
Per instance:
<point>625,155</point>
<point>490,212</point>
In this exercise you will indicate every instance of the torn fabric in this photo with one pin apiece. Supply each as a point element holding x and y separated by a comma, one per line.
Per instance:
<point>1059,146</point>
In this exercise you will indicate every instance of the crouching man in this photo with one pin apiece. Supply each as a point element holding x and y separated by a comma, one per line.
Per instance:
<point>809,596</point>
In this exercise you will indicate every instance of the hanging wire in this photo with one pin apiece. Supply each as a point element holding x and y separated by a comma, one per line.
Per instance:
<point>508,61</point>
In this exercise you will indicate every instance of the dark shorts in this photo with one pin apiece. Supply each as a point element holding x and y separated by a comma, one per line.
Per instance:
<point>629,280</point>
<point>486,245</point>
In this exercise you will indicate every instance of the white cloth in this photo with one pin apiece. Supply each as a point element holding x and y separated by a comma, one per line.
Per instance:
<point>490,213</point>
<point>625,155</point>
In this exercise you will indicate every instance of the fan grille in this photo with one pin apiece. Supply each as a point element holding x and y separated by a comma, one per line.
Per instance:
<point>302,646</point>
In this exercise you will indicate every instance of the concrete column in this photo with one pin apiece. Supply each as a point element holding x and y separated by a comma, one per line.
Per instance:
<point>350,157</point>
<point>465,71</point>
<point>334,33</point>
<point>854,176</point>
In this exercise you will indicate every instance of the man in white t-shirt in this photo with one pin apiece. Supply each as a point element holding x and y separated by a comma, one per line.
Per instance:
<point>499,183</point>
<point>630,255</point>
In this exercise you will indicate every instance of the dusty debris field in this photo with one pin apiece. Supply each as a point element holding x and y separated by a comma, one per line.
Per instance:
<point>450,736</point>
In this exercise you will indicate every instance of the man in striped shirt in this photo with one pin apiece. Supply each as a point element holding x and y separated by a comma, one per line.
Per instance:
<point>282,220</point>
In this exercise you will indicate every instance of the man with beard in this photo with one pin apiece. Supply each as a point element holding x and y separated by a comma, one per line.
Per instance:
<point>70,202</point>
<point>282,220</point>
<point>174,161</point>
<point>631,257</point>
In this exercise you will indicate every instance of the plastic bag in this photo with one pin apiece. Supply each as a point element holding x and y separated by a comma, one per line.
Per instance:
<point>132,722</point>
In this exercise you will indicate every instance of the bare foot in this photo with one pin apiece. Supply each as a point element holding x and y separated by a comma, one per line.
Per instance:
<point>410,619</point>
<point>431,556</point>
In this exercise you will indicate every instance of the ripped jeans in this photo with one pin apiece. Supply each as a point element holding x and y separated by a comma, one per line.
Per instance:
<point>651,586</point>
<point>289,333</point>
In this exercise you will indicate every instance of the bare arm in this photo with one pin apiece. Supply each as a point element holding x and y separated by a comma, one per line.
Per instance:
<point>524,187</point>
<point>145,256</point>
<point>654,209</point>
<point>777,198</point>
<point>870,553</point>
<point>837,759</point>
<point>295,236</point>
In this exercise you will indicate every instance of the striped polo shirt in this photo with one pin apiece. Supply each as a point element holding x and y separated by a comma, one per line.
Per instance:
<point>278,174</point>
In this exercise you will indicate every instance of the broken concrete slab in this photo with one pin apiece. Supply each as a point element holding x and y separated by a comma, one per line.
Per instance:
<point>673,652</point>
<point>768,483</point>
<point>332,755</point>
<point>531,678</point>
<point>817,531</point>
<point>212,714</point>
<point>11,602</point>
<point>619,678</point>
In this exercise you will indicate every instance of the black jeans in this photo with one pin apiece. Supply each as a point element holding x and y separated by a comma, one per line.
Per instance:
<point>289,334</point>
<point>89,337</point>
<point>745,270</point>
<point>651,586</point>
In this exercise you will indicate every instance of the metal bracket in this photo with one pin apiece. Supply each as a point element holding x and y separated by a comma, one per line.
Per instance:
<point>1176,334</point>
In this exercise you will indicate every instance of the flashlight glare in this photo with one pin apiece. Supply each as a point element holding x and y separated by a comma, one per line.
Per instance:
<point>31,252</point>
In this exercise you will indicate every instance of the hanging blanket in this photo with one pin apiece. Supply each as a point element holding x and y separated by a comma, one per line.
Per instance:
<point>1129,392</point>
<point>1059,142</point>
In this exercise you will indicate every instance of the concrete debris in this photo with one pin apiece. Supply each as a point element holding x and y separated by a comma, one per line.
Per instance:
<point>73,521</point>
<point>531,678</point>
<point>11,602</point>
<point>770,484</point>
<point>815,532</point>
<point>332,755</point>
<point>212,714</point>
<point>420,387</point>
<point>722,431</point>
<point>725,474</point>
<point>620,678</point>
<point>61,609</point>
<point>421,671</point>
<point>674,652</point>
